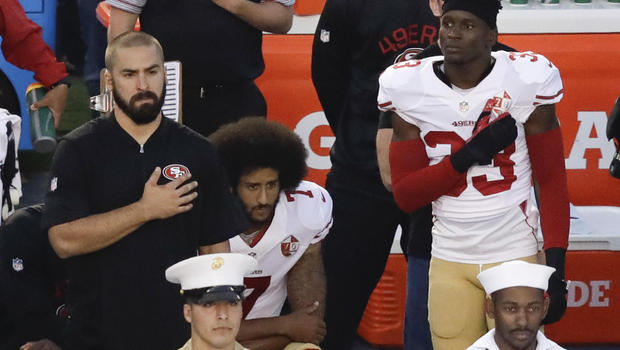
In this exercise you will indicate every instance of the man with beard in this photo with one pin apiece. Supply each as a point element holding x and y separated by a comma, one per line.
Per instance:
<point>518,305</point>
<point>289,218</point>
<point>131,194</point>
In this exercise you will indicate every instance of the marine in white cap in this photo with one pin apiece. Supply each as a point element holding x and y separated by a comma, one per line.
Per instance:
<point>518,304</point>
<point>213,288</point>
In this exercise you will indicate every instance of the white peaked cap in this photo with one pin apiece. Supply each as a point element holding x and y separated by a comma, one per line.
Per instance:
<point>210,270</point>
<point>515,274</point>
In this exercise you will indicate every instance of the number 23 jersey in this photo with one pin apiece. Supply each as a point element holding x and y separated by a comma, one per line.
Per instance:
<point>473,218</point>
<point>302,217</point>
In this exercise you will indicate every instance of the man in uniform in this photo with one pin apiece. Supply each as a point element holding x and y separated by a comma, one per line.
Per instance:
<point>416,239</point>
<point>353,43</point>
<point>130,194</point>
<point>289,218</point>
<point>212,286</point>
<point>518,306</point>
<point>219,43</point>
<point>33,283</point>
<point>469,135</point>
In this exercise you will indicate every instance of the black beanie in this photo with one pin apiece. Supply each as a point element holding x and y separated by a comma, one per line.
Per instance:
<point>484,9</point>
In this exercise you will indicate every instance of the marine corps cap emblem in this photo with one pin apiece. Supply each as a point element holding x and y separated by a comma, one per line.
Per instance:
<point>217,263</point>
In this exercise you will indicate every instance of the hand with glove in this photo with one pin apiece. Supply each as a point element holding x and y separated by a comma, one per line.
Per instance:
<point>487,140</point>
<point>557,291</point>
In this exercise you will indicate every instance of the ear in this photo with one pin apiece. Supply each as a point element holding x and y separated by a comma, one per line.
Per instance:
<point>546,302</point>
<point>187,313</point>
<point>489,307</point>
<point>435,6</point>
<point>108,79</point>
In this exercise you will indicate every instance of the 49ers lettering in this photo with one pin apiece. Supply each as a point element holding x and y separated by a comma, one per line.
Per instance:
<point>411,35</point>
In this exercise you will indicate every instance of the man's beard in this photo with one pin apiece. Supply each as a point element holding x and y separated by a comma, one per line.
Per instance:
<point>145,113</point>
<point>260,223</point>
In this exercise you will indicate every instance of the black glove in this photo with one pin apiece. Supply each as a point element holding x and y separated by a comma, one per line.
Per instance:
<point>485,143</point>
<point>556,258</point>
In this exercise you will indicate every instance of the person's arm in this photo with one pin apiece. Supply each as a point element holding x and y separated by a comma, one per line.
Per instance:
<point>414,182</point>
<point>121,21</point>
<point>306,283</point>
<point>306,294</point>
<point>98,231</point>
<point>331,52</point>
<point>263,334</point>
<point>23,46</point>
<point>269,16</point>
<point>382,143</point>
<point>273,333</point>
<point>55,99</point>
<point>544,141</point>
<point>43,344</point>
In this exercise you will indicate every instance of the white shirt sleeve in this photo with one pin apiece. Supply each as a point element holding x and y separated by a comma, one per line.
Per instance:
<point>132,6</point>
<point>286,2</point>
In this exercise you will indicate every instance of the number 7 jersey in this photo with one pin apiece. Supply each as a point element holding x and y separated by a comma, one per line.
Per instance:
<point>302,217</point>
<point>491,208</point>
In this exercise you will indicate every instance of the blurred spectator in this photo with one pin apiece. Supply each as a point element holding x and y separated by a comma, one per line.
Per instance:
<point>69,41</point>
<point>94,37</point>
<point>23,46</point>
<point>33,282</point>
<point>353,43</point>
<point>219,45</point>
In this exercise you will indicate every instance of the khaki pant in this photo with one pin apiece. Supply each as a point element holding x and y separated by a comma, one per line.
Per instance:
<point>456,300</point>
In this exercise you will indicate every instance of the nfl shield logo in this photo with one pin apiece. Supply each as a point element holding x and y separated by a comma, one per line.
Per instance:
<point>463,106</point>
<point>289,246</point>
<point>324,36</point>
<point>18,264</point>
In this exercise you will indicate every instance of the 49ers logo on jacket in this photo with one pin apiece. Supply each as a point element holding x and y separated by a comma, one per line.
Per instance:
<point>174,171</point>
<point>289,246</point>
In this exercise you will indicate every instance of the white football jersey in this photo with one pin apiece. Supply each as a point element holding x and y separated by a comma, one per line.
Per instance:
<point>302,217</point>
<point>472,220</point>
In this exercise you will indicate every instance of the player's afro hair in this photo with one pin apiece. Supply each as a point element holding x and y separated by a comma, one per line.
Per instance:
<point>253,143</point>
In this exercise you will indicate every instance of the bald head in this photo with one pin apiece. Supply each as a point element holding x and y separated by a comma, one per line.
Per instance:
<point>129,40</point>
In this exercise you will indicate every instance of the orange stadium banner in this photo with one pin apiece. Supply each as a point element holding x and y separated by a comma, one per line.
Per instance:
<point>589,67</point>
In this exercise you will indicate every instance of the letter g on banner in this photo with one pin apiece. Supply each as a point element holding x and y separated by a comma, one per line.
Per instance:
<point>317,137</point>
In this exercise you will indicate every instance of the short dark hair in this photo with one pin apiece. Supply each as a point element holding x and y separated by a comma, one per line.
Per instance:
<point>486,10</point>
<point>495,296</point>
<point>131,39</point>
<point>254,143</point>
